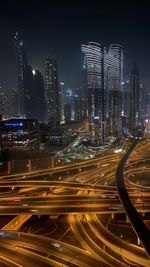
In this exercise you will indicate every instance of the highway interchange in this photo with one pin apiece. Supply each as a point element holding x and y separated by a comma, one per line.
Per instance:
<point>84,196</point>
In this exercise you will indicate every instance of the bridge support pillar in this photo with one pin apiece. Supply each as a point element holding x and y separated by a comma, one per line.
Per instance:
<point>53,163</point>
<point>138,241</point>
<point>29,165</point>
<point>113,216</point>
<point>9,166</point>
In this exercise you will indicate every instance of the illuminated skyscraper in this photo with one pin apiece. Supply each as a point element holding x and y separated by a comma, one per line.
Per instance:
<point>67,113</point>
<point>144,102</point>
<point>21,66</point>
<point>38,104</point>
<point>52,92</point>
<point>115,90</point>
<point>4,103</point>
<point>105,76</point>
<point>62,95</point>
<point>125,114</point>
<point>134,107</point>
<point>96,76</point>
<point>27,87</point>
<point>13,102</point>
<point>84,80</point>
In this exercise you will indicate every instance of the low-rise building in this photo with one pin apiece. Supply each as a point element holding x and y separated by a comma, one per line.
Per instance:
<point>19,136</point>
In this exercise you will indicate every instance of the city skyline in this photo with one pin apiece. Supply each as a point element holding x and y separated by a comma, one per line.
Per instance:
<point>74,133</point>
<point>63,27</point>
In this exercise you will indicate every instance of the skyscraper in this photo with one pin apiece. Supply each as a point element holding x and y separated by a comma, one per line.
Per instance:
<point>78,114</point>
<point>52,92</point>
<point>84,80</point>
<point>114,88</point>
<point>125,113</point>
<point>4,103</point>
<point>126,97</point>
<point>96,76</point>
<point>27,87</point>
<point>13,102</point>
<point>104,75</point>
<point>67,112</point>
<point>21,58</point>
<point>144,102</point>
<point>38,104</point>
<point>69,99</point>
<point>84,88</point>
<point>62,95</point>
<point>134,107</point>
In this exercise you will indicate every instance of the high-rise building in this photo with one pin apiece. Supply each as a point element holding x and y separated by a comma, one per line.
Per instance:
<point>84,89</point>
<point>78,116</point>
<point>30,93</point>
<point>13,103</point>
<point>80,108</point>
<point>115,88</point>
<point>38,104</point>
<point>4,103</point>
<point>125,113</point>
<point>62,95</point>
<point>134,107</point>
<point>67,112</point>
<point>69,99</point>
<point>144,102</point>
<point>84,80</point>
<point>21,58</point>
<point>96,77</point>
<point>126,96</point>
<point>52,92</point>
<point>104,76</point>
<point>28,87</point>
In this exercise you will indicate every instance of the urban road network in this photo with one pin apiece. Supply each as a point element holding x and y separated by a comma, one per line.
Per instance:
<point>88,197</point>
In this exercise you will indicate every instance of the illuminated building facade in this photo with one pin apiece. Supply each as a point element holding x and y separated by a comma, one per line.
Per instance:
<point>104,76</point>
<point>78,109</point>
<point>62,93</point>
<point>19,136</point>
<point>144,102</point>
<point>67,112</point>
<point>134,106</point>
<point>52,92</point>
<point>57,137</point>
<point>13,103</point>
<point>21,58</point>
<point>84,80</point>
<point>38,103</point>
<point>115,89</point>
<point>4,102</point>
<point>96,82</point>
<point>125,114</point>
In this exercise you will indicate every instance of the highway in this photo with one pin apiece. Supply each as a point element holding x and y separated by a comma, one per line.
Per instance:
<point>130,209</point>
<point>85,198</point>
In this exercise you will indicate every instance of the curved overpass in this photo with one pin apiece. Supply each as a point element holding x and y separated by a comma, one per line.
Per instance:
<point>135,219</point>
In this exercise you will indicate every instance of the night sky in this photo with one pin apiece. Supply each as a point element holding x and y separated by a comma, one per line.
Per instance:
<point>58,28</point>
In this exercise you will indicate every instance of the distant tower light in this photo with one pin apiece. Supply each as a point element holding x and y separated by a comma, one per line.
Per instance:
<point>33,72</point>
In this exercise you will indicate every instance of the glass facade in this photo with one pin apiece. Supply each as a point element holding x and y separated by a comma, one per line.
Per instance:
<point>52,92</point>
<point>105,76</point>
